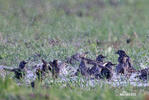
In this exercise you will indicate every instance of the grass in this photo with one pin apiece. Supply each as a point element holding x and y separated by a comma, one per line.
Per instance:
<point>55,29</point>
<point>68,92</point>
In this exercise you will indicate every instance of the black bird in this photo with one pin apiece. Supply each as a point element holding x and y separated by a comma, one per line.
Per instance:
<point>94,70</point>
<point>83,68</point>
<point>121,67</point>
<point>97,65</point>
<point>121,53</point>
<point>98,61</point>
<point>109,65</point>
<point>124,58</point>
<point>76,57</point>
<point>100,58</point>
<point>107,72</point>
<point>144,74</point>
<point>20,71</point>
<point>124,66</point>
<point>22,64</point>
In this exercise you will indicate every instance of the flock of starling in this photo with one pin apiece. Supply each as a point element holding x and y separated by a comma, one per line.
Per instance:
<point>97,69</point>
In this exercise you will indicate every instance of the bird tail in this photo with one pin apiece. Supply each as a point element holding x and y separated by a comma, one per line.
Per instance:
<point>8,69</point>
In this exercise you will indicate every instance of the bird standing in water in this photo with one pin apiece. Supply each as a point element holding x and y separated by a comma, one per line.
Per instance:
<point>144,74</point>
<point>107,71</point>
<point>96,68</point>
<point>124,66</point>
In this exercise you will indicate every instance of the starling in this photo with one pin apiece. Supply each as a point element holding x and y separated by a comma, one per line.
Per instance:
<point>120,69</point>
<point>124,65</point>
<point>124,58</point>
<point>106,71</point>
<point>100,58</point>
<point>121,53</point>
<point>83,68</point>
<point>93,62</point>
<point>94,70</point>
<point>97,64</point>
<point>144,73</point>
<point>76,57</point>
<point>20,71</point>
<point>109,65</point>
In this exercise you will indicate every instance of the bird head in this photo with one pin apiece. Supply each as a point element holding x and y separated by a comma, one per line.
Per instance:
<point>22,64</point>
<point>100,58</point>
<point>121,53</point>
<point>55,63</point>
